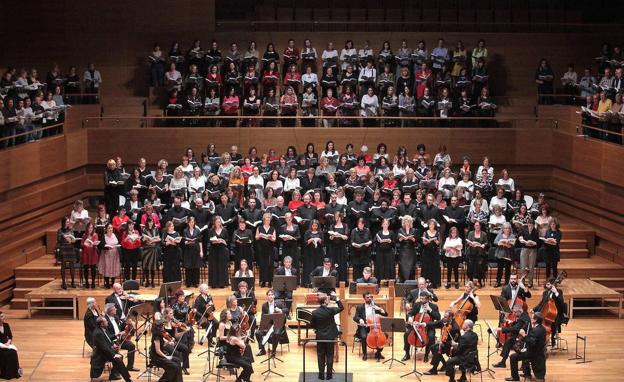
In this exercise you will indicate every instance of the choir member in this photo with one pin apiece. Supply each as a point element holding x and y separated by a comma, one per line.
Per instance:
<point>407,236</point>
<point>544,77</point>
<point>329,57</point>
<point>192,253</point>
<point>251,107</point>
<point>505,243</point>
<point>390,107</point>
<point>243,243</point>
<point>337,239</point>
<point>384,261</point>
<point>269,57</point>
<point>452,250</point>
<point>219,253</point>
<point>361,241</point>
<point>385,57</point>
<point>312,251</point>
<point>329,106</point>
<point>291,55</point>
<point>308,55</point>
<point>430,260</point>
<point>89,254</point>
<point>270,107</point>
<point>369,108</point>
<point>130,244</point>
<point>265,239</point>
<point>551,247</point>
<point>288,107</point>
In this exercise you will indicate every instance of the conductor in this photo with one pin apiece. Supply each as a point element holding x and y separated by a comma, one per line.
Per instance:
<point>326,329</point>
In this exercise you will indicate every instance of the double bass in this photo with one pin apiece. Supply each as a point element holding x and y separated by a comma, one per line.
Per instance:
<point>421,339</point>
<point>549,310</point>
<point>376,339</point>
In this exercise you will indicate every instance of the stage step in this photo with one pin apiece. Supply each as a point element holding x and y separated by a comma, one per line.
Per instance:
<point>32,282</point>
<point>573,243</point>
<point>575,253</point>
<point>610,282</point>
<point>22,303</point>
<point>20,292</point>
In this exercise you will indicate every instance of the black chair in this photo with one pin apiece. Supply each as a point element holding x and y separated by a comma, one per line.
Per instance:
<point>131,285</point>
<point>223,364</point>
<point>470,366</point>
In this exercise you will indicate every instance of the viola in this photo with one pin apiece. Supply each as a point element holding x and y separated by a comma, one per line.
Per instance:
<point>244,321</point>
<point>376,339</point>
<point>422,339</point>
<point>445,336</point>
<point>191,317</point>
<point>127,333</point>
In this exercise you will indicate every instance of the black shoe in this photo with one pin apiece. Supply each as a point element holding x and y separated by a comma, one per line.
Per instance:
<point>64,286</point>
<point>73,285</point>
<point>426,359</point>
<point>501,365</point>
<point>497,285</point>
<point>364,356</point>
<point>431,371</point>
<point>133,369</point>
<point>456,285</point>
<point>261,353</point>
<point>380,356</point>
<point>512,379</point>
<point>186,372</point>
<point>321,376</point>
<point>448,285</point>
<point>329,376</point>
<point>406,357</point>
<point>115,377</point>
<point>153,285</point>
<point>462,379</point>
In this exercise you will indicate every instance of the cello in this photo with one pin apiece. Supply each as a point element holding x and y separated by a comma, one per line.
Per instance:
<point>464,309</point>
<point>549,310</point>
<point>376,339</point>
<point>419,339</point>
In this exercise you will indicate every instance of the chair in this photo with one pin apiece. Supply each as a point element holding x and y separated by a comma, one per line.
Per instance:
<point>471,363</point>
<point>131,285</point>
<point>224,364</point>
<point>357,340</point>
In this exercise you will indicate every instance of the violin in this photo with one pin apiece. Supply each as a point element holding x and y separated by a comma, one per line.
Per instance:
<point>127,333</point>
<point>166,336</point>
<point>376,339</point>
<point>179,325</point>
<point>244,321</point>
<point>422,339</point>
<point>191,317</point>
<point>445,335</point>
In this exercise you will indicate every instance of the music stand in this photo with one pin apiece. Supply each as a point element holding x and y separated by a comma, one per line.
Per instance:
<point>392,325</point>
<point>324,283</point>
<point>284,284</point>
<point>403,289</point>
<point>500,304</point>
<point>234,281</point>
<point>416,373</point>
<point>245,302</point>
<point>167,290</point>
<point>490,332</point>
<point>145,310</point>
<point>208,373</point>
<point>274,322</point>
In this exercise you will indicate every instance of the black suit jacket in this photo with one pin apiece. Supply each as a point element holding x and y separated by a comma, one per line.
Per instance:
<point>318,271</point>
<point>414,295</point>
<point>282,272</point>
<point>521,322</point>
<point>506,293</point>
<point>434,314</point>
<point>103,346</point>
<point>123,307</point>
<point>371,280</point>
<point>110,330</point>
<point>467,343</point>
<point>323,321</point>
<point>536,340</point>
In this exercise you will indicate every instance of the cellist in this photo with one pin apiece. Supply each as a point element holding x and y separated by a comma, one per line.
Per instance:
<point>519,320</point>
<point>552,292</point>
<point>365,313</point>
<point>423,308</point>
<point>469,297</point>
<point>450,333</point>
<point>515,292</point>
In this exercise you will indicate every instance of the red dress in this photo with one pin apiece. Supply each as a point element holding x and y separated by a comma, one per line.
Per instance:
<point>89,254</point>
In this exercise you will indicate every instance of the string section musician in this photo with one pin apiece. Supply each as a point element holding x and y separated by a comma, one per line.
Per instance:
<point>272,307</point>
<point>105,351</point>
<point>365,316</point>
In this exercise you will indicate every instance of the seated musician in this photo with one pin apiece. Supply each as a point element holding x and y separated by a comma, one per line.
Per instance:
<point>243,268</point>
<point>464,347</point>
<point>422,307</point>
<point>469,295</point>
<point>204,306</point>
<point>519,319</point>
<point>104,351</point>
<point>423,288</point>
<point>115,331</point>
<point>533,350</point>
<point>326,270</point>
<point>286,270</point>
<point>444,346</point>
<point>236,350</point>
<point>121,300</point>
<point>367,277</point>
<point>551,291</point>
<point>177,330</point>
<point>365,313</point>
<point>272,307</point>
<point>181,313</point>
<point>515,290</point>
<point>89,320</point>
<point>243,292</point>
<point>163,358</point>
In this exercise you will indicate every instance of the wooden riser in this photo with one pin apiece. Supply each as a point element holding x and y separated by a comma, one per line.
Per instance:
<point>573,243</point>
<point>575,253</point>
<point>32,282</point>
<point>610,282</point>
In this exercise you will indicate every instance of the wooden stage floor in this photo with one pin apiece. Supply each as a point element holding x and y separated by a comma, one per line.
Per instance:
<point>50,350</point>
<point>51,345</point>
